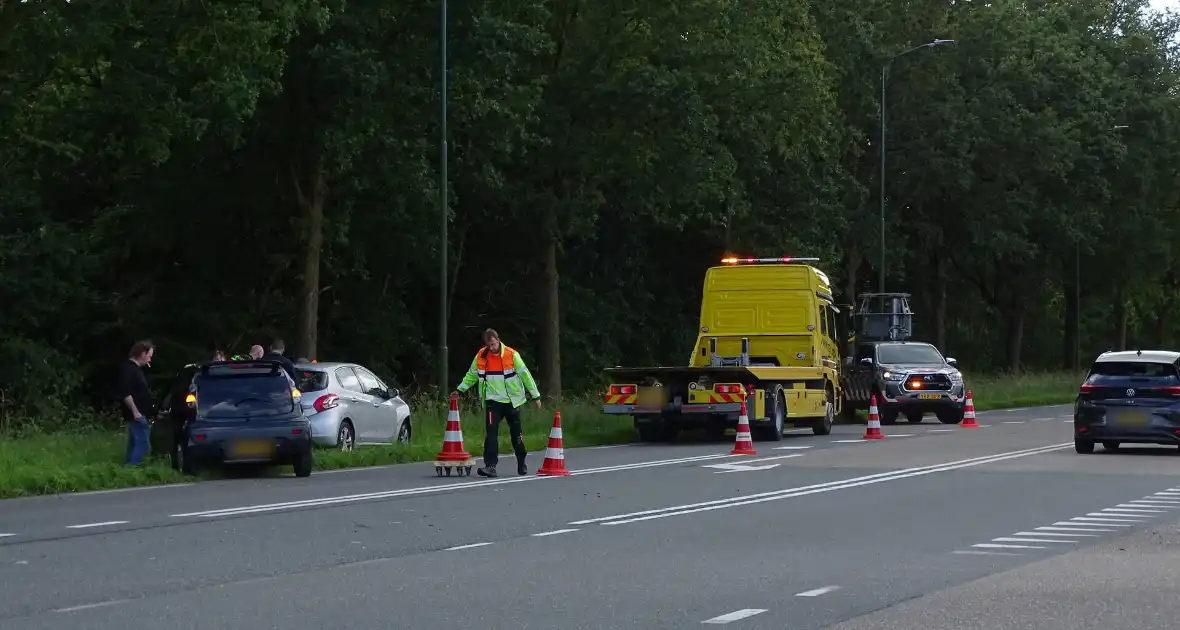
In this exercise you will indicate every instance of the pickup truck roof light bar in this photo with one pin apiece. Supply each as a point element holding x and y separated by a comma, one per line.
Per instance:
<point>766,261</point>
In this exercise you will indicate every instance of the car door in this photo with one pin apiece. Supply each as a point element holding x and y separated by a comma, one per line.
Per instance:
<point>358,403</point>
<point>383,427</point>
<point>173,411</point>
<point>393,407</point>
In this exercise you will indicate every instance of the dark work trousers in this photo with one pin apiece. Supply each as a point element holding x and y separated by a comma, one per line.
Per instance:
<point>496,412</point>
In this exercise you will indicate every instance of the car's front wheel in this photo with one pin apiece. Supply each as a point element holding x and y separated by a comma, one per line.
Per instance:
<point>405,432</point>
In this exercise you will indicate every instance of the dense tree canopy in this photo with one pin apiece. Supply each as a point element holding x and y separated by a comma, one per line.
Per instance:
<point>225,171</point>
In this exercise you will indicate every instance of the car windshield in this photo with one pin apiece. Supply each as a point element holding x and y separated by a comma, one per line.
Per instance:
<point>1132,369</point>
<point>244,396</point>
<point>311,380</point>
<point>909,353</point>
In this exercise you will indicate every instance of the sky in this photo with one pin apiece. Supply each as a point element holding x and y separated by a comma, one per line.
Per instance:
<point>1165,4</point>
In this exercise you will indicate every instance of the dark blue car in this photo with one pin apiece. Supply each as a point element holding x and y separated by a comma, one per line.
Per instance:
<point>1130,397</point>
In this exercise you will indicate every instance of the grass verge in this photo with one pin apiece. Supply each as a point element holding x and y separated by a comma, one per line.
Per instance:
<point>86,460</point>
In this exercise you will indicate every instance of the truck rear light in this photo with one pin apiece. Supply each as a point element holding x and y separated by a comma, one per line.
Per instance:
<point>618,390</point>
<point>326,402</point>
<point>727,388</point>
<point>191,400</point>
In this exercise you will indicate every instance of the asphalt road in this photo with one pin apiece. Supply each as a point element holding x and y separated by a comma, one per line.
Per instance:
<point>933,527</point>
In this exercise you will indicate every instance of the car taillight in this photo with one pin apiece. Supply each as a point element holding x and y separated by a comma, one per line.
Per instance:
<point>1086,389</point>
<point>1171,389</point>
<point>326,402</point>
<point>727,389</point>
<point>617,390</point>
<point>190,400</point>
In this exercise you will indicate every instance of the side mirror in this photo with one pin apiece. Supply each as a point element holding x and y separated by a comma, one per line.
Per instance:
<point>393,392</point>
<point>866,361</point>
<point>951,361</point>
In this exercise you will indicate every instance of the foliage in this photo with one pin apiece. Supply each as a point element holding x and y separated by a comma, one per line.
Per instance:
<point>222,172</point>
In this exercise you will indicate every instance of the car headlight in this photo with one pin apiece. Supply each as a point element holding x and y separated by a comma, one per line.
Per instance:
<point>892,376</point>
<point>957,378</point>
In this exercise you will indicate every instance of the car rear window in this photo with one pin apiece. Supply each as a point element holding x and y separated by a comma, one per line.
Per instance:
<point>244,396</point>
<point>311,380</point>
<point>1133,369</point>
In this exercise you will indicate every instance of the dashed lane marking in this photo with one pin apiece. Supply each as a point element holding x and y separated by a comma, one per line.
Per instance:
<point>1013,539</point>
<point>818,591</point>
<point>735,615</point>
<point>471,546</point>
<point>848,441</point>
<point>1108,522</point>
<point>71,609</point>
<point>789,448</point>
<point>1077,529</point>
<point>102,524</point>
<point>940,431</point>
<point>996,546</point>
<point>555,532</point>
<point>1061,534</point>
<point>971,552</point>
<point>1014,422</point>
<point>7,535</point>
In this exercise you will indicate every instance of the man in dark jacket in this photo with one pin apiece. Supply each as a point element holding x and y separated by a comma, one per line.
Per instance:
<point>277,348</point>
<point>135,399</point>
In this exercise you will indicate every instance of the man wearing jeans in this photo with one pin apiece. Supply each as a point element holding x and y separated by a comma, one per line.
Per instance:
<point>135,398</point>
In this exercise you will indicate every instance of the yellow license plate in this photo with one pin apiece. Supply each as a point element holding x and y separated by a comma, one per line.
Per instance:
<point>929,396</point>
<point>1132,418</point>
<point>651,397</point>
<point>251,448</point>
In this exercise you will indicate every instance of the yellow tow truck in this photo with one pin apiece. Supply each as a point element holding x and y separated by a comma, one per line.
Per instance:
<point>768,332</point>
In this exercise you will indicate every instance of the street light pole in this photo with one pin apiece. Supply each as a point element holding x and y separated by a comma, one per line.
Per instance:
<point>443,376</point>
<point>884,74</point>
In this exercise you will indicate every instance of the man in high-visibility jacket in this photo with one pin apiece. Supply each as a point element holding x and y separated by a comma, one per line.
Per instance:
<point>505,385</point>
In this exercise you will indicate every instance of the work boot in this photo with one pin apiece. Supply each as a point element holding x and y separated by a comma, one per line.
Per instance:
<point>521,469</point>
<point>487,471</point>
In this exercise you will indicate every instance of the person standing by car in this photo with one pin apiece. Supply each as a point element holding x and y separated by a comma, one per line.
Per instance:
<point>277,348</point>
<point>505,384</point>
<point>136,400</point>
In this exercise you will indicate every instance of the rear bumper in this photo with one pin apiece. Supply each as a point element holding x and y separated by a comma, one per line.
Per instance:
<point>284,442</point>
<point>1091,423</point>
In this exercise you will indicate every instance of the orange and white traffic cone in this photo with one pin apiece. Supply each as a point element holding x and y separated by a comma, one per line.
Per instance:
<point>453,453</point>
<point>969,414</point>
<point>554,464</point>
<point>873,432</point>
<point>743,444</point>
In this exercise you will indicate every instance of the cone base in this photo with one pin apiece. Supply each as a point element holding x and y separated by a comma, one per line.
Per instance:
<point>874,437</point>
<point>743,451</point>
<point>973,425</point>
<point>454,457</point>
<point>553,473</point>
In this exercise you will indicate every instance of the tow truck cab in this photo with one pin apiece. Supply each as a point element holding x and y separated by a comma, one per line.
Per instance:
<point>768,333</point>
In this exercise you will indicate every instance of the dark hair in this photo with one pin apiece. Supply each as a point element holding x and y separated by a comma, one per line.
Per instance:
<point>140,347</point>
<point>277,345</point>
<point>490,334</point>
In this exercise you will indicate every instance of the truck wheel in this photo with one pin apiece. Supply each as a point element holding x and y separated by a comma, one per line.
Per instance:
<point>888,416</point>
<point>823,426</point>
<point>914,418</point>
<point>655,432</point>
<point>777,414</point>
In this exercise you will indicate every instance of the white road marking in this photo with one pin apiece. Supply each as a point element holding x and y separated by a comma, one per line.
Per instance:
<point>1062,534</point>
<point>787,493</point>
<point>1070,420</point>
<point>1008,539</point>
<point>1167,493</point>
<point>767,459</point>
<point>102,524</point>
<point>1131,512</point>
<point>120,490</point>
<point>1106,522</point>
<point>968,552</point>
<point>1014,422</point>
<point>1076,529</point>
<point>993,546</point>
<point>803,430</point>
<point>941,431</point>
<point>744,464</point>
<point>1123,518</point>
<point>599,448</point>
<point>352,498</point>
<point>901,435</point>
<point>471,546</point>
<point>735,615</point>
<point>555,532</point>
<point>848,441</point>
<point>1126,507</point>
<point>1016,409</point>
<point>7,535</point>
<point>89,606</point>
<point>1157,503</point>
<point>818,591</point>
<point>353,469</point>
<point>1041,419</point>
<point>789,448</point>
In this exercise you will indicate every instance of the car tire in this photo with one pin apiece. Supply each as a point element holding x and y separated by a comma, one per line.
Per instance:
<point>1084,447</point>
<point>913,418</point>
<point>888,416</point>
<point>303,464</point>
<point>406,432</point>
<point>346,437</point>
<point>180,460</point>
<point>1111,446</point>
<point>951,417</point>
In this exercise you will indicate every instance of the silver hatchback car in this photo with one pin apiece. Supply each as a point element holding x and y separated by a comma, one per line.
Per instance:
<point>348,405</point>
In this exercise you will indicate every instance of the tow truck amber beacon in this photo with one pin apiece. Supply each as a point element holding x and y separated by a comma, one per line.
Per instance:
<point>768,333</point>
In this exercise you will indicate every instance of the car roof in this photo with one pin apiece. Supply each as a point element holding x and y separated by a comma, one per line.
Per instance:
<point>903,343</point>
<point>323,366</point>
<point>1139,356</point>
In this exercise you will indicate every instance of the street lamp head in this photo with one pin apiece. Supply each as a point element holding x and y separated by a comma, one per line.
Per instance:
<point>941,42</point>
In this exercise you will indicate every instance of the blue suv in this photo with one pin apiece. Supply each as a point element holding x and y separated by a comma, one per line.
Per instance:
<point>1129,397</point>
